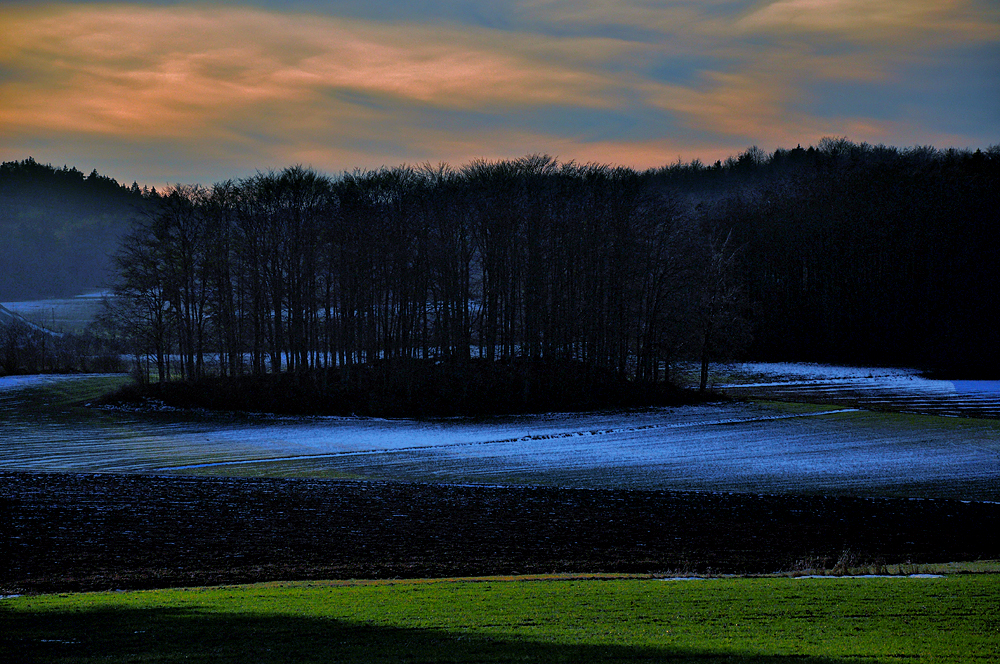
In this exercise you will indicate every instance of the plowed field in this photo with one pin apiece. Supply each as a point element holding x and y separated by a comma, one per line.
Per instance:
<point>70,532</point>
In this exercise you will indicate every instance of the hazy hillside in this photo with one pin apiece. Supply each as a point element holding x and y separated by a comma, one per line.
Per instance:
<point>58,228</point>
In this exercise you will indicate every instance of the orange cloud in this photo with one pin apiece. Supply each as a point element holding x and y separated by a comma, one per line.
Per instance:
<point>139,70</point>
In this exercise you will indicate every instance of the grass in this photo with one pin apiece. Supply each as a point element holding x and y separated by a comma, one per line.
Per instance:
<point>71,392</point>
<point>799,407</point>
<point>554,619</point>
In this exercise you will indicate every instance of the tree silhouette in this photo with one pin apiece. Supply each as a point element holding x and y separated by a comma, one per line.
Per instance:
<point>845,253</point>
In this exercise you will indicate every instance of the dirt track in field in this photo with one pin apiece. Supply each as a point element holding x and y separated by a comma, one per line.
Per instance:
<point>66,532</point>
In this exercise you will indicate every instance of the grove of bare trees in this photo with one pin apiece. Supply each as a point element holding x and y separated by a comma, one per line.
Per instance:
<point>839,253</point>
<point>293,271</point>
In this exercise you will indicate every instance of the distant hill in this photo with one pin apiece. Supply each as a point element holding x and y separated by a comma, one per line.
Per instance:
<point>59,227</point>
<point>8,317</point>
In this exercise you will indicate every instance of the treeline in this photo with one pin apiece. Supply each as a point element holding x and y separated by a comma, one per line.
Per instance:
<point>867,255</point>
<point>839,253</point>
<point>294,271</point>
<point>27,349</point>
<point>59,228</point>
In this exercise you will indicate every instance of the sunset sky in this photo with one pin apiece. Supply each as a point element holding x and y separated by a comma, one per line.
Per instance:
<point>164,92</point>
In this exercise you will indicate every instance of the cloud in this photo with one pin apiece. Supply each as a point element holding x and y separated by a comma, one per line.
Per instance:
<point>717,22</point>
<point>230,88</point>
<point>275,85</point>
<point>138,71</point>
<point>879,21</point>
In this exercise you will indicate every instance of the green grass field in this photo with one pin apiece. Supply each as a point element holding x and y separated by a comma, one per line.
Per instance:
<point>951,619</point>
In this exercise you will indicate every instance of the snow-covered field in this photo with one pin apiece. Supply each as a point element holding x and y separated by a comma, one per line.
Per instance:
<point>62,315</point>
<point>902,390</point>
<point>717,447</point>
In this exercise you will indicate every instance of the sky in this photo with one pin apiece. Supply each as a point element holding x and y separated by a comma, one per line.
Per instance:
<point>200,92</point>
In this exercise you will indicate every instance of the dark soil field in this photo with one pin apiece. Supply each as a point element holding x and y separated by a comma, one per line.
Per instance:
<point>66,532</point>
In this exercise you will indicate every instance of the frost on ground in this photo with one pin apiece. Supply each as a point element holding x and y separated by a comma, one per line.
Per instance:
<point>903,390</point>
<point>732,446</point>
<point>11,383</point>
<point>870,576</point>
<point>791,372</point>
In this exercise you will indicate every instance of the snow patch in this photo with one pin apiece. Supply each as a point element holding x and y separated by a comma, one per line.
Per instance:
<point>871,576</point>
